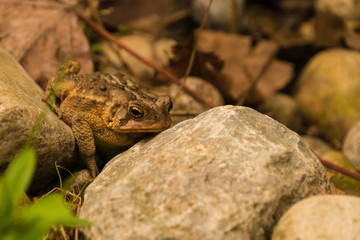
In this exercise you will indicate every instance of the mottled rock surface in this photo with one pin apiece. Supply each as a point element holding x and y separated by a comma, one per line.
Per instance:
<point>329,217</point>
<point>20,106</point>
<point>328,91</point>
<point>229,173</point>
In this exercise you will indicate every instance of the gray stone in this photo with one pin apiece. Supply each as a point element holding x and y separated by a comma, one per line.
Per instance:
<point>224,14</point>
<point>20,106</point>
<point>318,146</point>
<point>229,173</point>
<point>331,217</point>
<point>351,146</point>
<point>284,109</point>
<point>186,106</point>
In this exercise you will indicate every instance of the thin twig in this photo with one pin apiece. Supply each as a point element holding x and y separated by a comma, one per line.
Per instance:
<point>234,16</point>
<point>193,52</point>
<point>113,39</point>
<point>340,169</point>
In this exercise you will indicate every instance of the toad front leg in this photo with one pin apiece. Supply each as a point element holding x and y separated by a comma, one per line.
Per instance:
<point>86,144</point>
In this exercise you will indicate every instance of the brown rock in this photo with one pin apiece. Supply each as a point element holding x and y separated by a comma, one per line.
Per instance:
<point>20,106</point>
<point>185,106</point>
<point>327,91</point>
<point>284,109</point>
<point>42,36</point>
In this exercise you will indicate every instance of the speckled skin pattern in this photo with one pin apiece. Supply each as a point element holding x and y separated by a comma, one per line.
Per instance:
<point>104,110</point>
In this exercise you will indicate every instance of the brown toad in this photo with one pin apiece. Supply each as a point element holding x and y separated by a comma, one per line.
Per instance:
<point>104,110</point>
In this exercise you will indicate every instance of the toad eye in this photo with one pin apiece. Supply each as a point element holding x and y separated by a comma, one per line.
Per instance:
<point>136,112</point>
<point>170,106</point>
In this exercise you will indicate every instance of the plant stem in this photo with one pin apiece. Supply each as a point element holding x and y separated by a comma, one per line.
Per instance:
<point>340,169</point>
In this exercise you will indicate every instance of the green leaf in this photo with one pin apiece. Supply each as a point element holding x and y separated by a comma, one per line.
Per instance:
<point>52,208</point>
<point>14,183</point>
<point>347,184</point>
<point>37,219</point>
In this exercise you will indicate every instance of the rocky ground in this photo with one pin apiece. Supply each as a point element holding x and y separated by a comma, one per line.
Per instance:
<point>250,166</point>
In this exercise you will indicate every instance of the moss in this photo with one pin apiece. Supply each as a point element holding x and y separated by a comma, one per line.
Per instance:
<point>328,89</point>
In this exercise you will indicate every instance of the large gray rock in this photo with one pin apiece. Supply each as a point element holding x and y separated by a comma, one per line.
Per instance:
<point>331,217</point>
<point>229,173</point>
<point>20,106</point>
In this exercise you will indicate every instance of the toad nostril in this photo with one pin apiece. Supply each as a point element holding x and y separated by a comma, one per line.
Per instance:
<point>156,117</point>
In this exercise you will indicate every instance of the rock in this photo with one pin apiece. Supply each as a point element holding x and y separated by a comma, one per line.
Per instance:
<point>337,23</point>
<point>20,106</point>
<point>140,43</point>
<point>329,217</point>
<point>222,14</point>
<point>52,27</point>
<point>222,175</point>
<point>185,106</point>
<point>327,91</point>
<point>284,109</point>
<point>345,9</point>
<point>318,146</point>
<point>351,146</point>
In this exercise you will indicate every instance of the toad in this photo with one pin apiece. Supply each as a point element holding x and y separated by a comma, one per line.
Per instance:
<point>104,110</point>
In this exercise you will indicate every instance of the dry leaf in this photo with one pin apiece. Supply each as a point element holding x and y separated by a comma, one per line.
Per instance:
<point>337,23</point>
<point>329,29</point>
<point>259,57</point>
<point>352,39</point>
<point>275,77</point>
<point>158,51</point>
<point>232,49</point>
<point>243,65</point>
<point>42,36</point>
